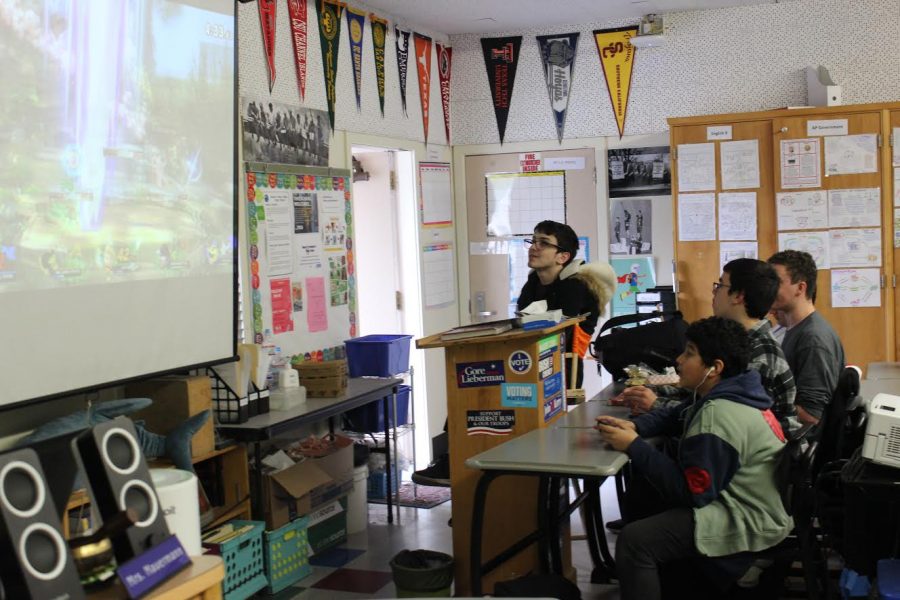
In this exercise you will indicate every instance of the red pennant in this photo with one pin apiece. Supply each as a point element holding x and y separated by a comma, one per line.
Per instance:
<point>423,67</point>
<point>444,56</point>
<point>267,10</point>
<point>297,14</point>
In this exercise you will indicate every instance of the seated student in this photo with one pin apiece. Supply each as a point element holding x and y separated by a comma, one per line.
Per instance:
<point>745,293</point>
<point>718,499</point>
<point>811,346</point>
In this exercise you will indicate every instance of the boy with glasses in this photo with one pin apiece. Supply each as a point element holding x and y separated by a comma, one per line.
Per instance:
<point>575,287</point>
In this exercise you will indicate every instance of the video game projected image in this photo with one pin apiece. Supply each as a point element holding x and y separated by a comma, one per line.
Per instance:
<point>117,146</point>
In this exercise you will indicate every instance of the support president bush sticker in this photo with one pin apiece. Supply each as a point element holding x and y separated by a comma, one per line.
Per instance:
<point>490,422</point>
<point>519,362</point>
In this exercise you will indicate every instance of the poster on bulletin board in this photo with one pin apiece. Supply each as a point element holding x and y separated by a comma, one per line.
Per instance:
<point>302,279</point>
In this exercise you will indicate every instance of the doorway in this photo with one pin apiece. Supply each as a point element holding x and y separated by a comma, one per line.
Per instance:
<point>388,287</point>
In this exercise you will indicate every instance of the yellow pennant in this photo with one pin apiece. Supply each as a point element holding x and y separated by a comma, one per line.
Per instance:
<point>617,60</point>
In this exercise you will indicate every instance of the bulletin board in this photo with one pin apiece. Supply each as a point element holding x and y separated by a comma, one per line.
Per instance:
<point>302,272</point>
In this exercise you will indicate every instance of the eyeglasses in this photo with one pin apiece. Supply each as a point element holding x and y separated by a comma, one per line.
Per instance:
<point>717,285</point>
<point>541,244</point>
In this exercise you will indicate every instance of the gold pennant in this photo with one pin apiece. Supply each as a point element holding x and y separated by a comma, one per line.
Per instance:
<point>617,60</point>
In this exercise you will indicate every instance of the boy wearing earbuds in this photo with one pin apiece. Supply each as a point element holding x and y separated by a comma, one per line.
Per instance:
<point>716,500</point>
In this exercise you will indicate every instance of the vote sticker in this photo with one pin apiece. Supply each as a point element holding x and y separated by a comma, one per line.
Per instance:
<point>519,362</point>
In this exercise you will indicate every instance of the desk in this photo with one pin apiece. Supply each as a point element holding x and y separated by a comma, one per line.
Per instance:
<point>202,579</point>
<point>569,448</point>
<point>360,391</point>
<point>869,388</point>
<point>883,370</point>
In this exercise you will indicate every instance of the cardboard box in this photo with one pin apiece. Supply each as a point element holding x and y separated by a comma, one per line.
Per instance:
<point>175,398</point>
<point>327,526</point>
<point>326,379</point>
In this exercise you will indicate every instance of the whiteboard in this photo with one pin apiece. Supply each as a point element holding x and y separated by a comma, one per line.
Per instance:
<point>516,202</point>
<point>302,271</point>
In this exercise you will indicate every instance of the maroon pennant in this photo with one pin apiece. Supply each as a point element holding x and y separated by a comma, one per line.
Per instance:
<point>444,56</point>
<point>297,13</point>
<point>267,10</point>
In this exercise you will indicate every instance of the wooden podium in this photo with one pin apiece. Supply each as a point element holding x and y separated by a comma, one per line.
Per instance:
<point>499,387</point>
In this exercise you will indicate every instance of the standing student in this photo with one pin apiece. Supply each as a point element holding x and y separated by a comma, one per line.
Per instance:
<point>811,346</point>
<point>716,500</point>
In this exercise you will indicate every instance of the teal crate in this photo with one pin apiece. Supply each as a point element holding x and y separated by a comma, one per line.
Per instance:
<point>287,555</point>
<point>245,571</point>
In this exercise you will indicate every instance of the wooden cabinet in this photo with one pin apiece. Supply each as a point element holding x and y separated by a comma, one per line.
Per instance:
<point>223,475</point>
<point>868,333</point>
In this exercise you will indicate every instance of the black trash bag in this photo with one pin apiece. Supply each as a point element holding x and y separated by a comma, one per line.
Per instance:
<point>657,345</point>
<point>538,586</point>
<point>422,570</point>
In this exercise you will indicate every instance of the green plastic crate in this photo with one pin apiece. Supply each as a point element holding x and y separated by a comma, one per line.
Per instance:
<point>245,572</point>
<point>287,555</point>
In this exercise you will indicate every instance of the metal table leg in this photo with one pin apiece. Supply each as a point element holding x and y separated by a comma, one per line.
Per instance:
<point>478,506</point>
<point>606,568</point>
<point>385,407</point>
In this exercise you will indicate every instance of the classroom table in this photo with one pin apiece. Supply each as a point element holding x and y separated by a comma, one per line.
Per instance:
<point>883,370</point>
<point>568,449</point>
<point>360,391</point>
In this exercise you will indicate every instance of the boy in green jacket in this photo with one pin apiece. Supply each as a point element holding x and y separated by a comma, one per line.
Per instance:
<point>719,497</point>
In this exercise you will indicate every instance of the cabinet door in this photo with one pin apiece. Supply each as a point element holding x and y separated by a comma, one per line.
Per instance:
<point>862,329</point>
<point>892,200</point>
<point>697,263</point>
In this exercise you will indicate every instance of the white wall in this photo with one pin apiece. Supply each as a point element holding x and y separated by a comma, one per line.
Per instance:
<point>717,61</point>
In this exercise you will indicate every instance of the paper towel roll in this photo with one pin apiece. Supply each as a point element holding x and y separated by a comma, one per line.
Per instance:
<point>177,491</point>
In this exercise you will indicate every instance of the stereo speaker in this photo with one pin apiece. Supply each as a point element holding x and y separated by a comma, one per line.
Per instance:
<point>111,457</point>
<point>36,559</point>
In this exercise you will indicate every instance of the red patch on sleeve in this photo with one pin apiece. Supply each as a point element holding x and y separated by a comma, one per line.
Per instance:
<point>769,416</point>
<point>698,480</point>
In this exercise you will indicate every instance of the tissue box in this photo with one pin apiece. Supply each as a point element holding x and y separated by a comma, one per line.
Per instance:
<point>326,379</point>
<point>175,398</point>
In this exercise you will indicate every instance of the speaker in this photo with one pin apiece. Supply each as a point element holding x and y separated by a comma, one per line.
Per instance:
<point>36,561</point>
<point>117,473</point>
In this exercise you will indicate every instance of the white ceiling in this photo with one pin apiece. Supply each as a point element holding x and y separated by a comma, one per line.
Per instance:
<point>495,16</point>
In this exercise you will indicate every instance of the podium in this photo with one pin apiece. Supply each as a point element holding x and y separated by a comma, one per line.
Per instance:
<point>499,387</point>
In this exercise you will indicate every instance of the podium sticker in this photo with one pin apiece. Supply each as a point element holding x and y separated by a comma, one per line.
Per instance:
<point>519,362</point>
<point>545,361</point>
<point>490,422</point>
<point>519,395</point>
<point>480,374</point>
<point>553,406</point>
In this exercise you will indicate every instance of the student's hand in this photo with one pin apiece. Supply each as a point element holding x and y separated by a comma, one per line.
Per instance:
<point>639,398</point>
<point>614,422</point>
<point>617,437</point>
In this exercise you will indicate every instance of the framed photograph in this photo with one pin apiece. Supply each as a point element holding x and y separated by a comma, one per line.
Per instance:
<point>630,226</point>
<point>639,171</point>
<point>284,133</point>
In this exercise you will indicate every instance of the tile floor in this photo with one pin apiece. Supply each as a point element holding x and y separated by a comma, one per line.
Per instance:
<point>359,568</point>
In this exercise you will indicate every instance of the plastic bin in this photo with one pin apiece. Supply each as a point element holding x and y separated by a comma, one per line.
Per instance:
<point>370,418</point>
<point>422,574</point>
<point>377,485</point>
<point>287,555</point>
<point>245,572</point>
<point>357,507</point>
<point>378,355</point>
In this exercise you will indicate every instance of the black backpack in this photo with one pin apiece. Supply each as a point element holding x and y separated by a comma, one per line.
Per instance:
<point>657,345</point>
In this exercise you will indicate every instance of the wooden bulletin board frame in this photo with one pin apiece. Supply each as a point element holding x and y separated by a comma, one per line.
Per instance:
<point>331,233</point>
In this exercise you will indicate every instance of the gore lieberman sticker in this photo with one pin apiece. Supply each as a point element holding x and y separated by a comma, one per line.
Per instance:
<point>490,422</point>
<point>479,374</point>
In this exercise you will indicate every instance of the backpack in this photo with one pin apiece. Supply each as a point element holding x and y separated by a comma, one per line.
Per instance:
<point>657,345</point>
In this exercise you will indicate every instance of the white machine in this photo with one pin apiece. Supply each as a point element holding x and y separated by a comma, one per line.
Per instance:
<point>882,442</point>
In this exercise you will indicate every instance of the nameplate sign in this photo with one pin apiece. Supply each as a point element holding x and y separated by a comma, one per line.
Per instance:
<point>143,573</point>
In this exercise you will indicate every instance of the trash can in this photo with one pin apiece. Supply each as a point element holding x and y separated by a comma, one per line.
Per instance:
<point>422,574</point>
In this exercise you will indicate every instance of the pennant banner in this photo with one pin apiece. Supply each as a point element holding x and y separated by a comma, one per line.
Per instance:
<point>267,9</point>
<point>329,12</point>
<point>558,56</point>
<point>617,59</point>
<point>356,26</point>
<point>444,56</point>
<point>501,55</point>
<point>402,62</point>
<point>299,33</point>
<point>423,67</point>
<point>379,34</point>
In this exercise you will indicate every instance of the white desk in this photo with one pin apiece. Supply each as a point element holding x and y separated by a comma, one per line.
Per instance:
<point>883,370</point>
<point>570,448</point>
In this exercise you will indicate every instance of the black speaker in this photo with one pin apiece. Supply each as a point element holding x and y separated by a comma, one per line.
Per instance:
<point>117,473</point>
<point>36,562</point>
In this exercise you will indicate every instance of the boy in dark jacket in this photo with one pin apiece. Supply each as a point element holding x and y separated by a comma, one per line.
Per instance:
<point>718,496</point>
